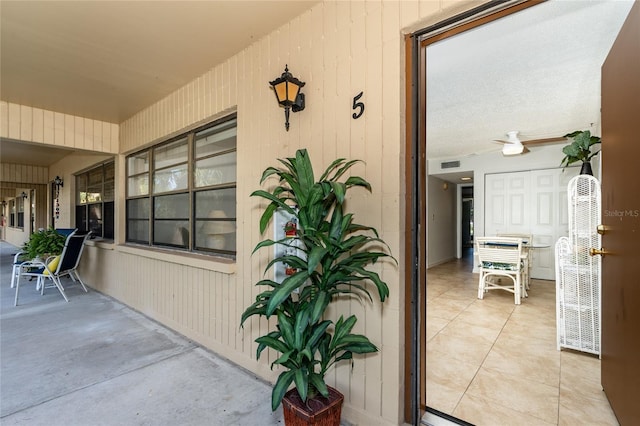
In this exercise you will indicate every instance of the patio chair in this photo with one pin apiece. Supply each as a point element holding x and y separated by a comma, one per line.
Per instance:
<point>501,266</point>
<point>53,269</point>
<point>15,271</point>
<point>66,231</point>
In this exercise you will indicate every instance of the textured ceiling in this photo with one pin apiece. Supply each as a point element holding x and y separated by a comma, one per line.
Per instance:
<point>536,71</point>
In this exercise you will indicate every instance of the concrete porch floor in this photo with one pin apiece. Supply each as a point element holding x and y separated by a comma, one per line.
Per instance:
<point>94,361</point>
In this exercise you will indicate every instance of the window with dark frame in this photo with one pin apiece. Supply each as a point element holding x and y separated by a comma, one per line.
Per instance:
<point>181,193</point>
<point>12,213</point>
<point>95,199</point>
<point>20,209</point>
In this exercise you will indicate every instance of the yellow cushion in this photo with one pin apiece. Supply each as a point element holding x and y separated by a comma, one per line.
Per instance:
<point>52,266</point>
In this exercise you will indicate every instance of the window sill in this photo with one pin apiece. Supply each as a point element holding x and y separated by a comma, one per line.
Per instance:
<point>211,263</point>
<point>103,244</point>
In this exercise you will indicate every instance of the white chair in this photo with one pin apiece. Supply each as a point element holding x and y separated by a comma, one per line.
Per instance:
<point>527,242</point>
<point>15,272</point>
<point>500,266</point>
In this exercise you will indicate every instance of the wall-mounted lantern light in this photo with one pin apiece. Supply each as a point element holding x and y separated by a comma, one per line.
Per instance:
<point>24,195</point>
<point>287,91</point>
<point>59,183</point>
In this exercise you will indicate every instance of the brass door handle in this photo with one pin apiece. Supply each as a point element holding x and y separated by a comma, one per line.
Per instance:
<point>595,251</point>
<point>602,229</point>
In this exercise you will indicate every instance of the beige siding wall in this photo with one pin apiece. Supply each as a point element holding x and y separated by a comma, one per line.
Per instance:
<point>29,124</point>
<point>14,179</point>
<point>13,191</point>
<point>23,173</point>
<point>339,49</point>
<point>66,169</point>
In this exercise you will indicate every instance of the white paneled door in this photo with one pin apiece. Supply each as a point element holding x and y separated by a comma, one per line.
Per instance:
<point>530,202</point>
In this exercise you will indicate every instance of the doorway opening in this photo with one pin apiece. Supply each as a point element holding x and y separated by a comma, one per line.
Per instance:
<point>466,221</point>
<point>417,181</point>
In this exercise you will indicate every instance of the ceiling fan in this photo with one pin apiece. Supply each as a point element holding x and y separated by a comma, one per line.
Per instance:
<point>514,146</point>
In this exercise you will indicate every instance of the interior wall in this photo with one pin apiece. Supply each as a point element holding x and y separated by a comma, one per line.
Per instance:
<point>442,216</point>
<point>543,157</point>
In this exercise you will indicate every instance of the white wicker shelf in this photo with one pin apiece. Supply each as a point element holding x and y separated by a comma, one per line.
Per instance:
<point>578,287</point>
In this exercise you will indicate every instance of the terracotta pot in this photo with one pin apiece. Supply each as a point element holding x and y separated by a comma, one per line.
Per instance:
<point>319,411</point>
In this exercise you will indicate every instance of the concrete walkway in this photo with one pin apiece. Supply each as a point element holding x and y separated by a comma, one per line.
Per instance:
<point>93,361</point>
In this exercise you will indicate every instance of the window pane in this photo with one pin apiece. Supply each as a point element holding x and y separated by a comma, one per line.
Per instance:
<point>95,219</point>
<point>108,221</point>
<point>81,218</point>
<point>94,193</point>
<point>216,170</point>
<point>171,224</point>
<point>138,209</point>
<point>216,199</point>
<point>138,231</point>
<point>138,163</point>
<point>217,139</point>
<point>138,185</point>
<point>95,177</point>
<point>171,232</point>
<point>109,171</point>
<point>170,179</point>
<point>138,220</point>
<point>215,220</point>
<point>12,213</point>
<point>109,191</point>
<point>173,153</point>
<point>109,182</point>
<point>174,206</point>
<point>81,189</point>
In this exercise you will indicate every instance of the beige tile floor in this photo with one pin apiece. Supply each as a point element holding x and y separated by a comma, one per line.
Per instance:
<point>490,362</point>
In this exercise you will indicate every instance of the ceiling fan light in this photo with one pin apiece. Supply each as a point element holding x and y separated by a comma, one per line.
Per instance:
<point>512,149</point>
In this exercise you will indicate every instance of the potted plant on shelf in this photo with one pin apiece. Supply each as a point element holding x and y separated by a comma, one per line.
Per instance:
<point>44,243</point>
<point>335,254</point>
<point>580,150</point>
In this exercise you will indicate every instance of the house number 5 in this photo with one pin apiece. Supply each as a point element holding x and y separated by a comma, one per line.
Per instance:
<point>358,105</point>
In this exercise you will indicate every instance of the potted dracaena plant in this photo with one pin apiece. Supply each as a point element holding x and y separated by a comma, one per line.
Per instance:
<point>335,253</point>
<point>580,150</point>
